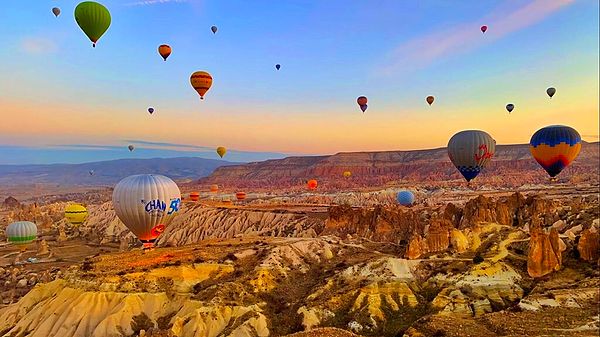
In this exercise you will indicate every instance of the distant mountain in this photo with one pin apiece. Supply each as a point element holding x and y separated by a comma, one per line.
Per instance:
<point>108,172</point>
<point>512,166</point>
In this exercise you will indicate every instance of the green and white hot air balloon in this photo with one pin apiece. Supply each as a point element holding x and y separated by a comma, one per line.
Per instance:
<point>21,233</point>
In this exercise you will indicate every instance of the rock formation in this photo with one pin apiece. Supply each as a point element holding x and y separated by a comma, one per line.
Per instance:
<point>545,252</point>
<point>589,245</point>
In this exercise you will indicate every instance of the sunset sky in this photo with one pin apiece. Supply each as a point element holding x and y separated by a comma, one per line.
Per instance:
<point>59,95</point>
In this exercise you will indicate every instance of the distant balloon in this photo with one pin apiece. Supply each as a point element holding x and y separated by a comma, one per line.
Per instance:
<point>470,151</point>
<point>551,91</point>
<point>214,188</point>
<point>510,107</point>
<point>362,103</point>
<point>21,232</point>
<point>56,11</point>
<point>151,110</point>
<point>405,198</point>
<point>555,147</point>
<point>430,99</point>
<point>164,50</point>
<point>76,214</point>
<point>93,18</point>
<point>347,174</point>
<point>214,29</point>
<point>221,151</point>
<point>201,81</point>
<point>131,147</point>
<point>146,204</point>
<point>483,28</point>
<point>91,172</point>
<point>277,66</point>
<point>312,184</point>
<point>194,196</point>
<point>240,195</point>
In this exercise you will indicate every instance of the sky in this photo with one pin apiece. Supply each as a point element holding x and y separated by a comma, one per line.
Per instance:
<point>63,101</point>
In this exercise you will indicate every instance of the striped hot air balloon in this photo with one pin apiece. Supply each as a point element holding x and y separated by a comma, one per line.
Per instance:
<point>201,81</point>
<point>76,214</point>
<point>555,147</point>
<point>240,195</point>
<point>21,232</point>
<point>194,196</point>
<point>470,151</point>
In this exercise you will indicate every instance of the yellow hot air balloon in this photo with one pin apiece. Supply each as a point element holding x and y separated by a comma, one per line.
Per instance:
<point>221,151</point>
<point>347,174</point>
<point>201,81</point>
<point>76,214</point>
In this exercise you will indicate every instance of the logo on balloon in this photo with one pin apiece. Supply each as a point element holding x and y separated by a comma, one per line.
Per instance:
<point>157,230</point>
<point>485,153</point>
<point>174,207</point>
<point>155,206</point>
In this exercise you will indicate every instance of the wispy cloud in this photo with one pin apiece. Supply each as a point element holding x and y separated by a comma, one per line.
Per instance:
<point>154,2</point>
<point>38,45</point>
<point>422,51</point>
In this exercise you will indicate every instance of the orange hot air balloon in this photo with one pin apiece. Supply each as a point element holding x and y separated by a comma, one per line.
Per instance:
<point>164,50</point>
<point>430,99</point>
<point>347,174</point>
<point>240,195</point>
<point>194,196</point>
<point>201,81</point>
<point>362,100</point>
<point>214,188</point>
<point>312,184</point>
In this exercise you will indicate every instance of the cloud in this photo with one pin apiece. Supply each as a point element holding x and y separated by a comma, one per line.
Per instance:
<point>169,145</point>
<point>38,45</point>
<point>154,2</point>
<point>422,51</point>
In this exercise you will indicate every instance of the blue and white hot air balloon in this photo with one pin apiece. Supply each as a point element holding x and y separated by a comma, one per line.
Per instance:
<point>405,198</point>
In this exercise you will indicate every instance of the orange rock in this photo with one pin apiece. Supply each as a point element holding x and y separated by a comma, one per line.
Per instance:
<point>416,247</point>
<point>588,246</point>
<point>438,238</point>
<point>545,252</point>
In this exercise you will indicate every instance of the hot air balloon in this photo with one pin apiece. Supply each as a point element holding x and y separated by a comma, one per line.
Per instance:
<point>56,11</point>
<point>221,151</point>
<point>240,195</point>
<point>201,81</point>
<point>194,196</point>
<point>151,110</point>
<point>146,204</point>
<point>214,29</point>
<point>362,103</point>
<point>214,188</point>
<point>76,214</point>
<point>430,99</point>
<point>164,50</point>
<point>405,198</point>
<point>131,148</point>
<point>277,66</point>
<point>91,172</point>
<point>483,28</point>
<point>510,107</point>
<point>21,233</point>
<point>555,147</point>
<point>470,151</point>
<point>93,18</point>
<point>551,91</point>
<point>312,184</point>
<point>347,174</point>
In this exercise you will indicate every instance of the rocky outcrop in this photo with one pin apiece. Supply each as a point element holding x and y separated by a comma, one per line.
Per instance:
<point>589,245</point>
<point>545,252</point>
<point>11,202</point>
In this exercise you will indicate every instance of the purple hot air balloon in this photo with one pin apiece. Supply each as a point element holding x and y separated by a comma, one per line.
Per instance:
<point>151,110</point>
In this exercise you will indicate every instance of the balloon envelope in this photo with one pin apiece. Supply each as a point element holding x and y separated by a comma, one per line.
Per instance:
<point>91,172</point>
<point>214,188</point>
<point>201,81</point>
<point>362,100</point>
<point>56,11</point>
<point>312,184</point>
<point>483,28</point>
<point>194,196</point>
<point>430,99</point>
<point>76,214</point>
<point>164,50</point>
<point>146,204</point>
<point>131,147</point>
<point>555,147</point>
<point>551,91</point>
<point>93,18</point>
<point>21,232</point>
<point>221,151</point>
<point>214,29</point>
<point>347,174</point>
<point>277,66</point>
<point>240,195</point>
<point>510,107</point>
<point>405,198</point>
<point>470,151</point>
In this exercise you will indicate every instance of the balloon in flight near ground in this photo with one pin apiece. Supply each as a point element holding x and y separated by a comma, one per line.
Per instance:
<point>347,174</point>
<point>146,204</point>
<point>510,107</point>
<point>76,214</point>
<point>91,172</point>
<point>151,110</point>
<point>214,29</point>
<point>201,81</point>
<point>214,188</point>
<point>221,151</point>
<point>470,151</point>
<point>277,66</point>
<point>194,196</point>
<point>483,28</point>
<point>555,147</point>
<point>551,91</point>
<point>164,50</point>
<point>21,232</point>
<point>56,11</point>
<point>312,184</point>
<point>430,99</point>
<point>405,198</point>
<point>240,195</point>
<point>131,148</point>
<point>93,18</point>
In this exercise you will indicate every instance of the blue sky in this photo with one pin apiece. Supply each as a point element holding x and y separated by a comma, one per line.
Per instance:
<point>60,90</point>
